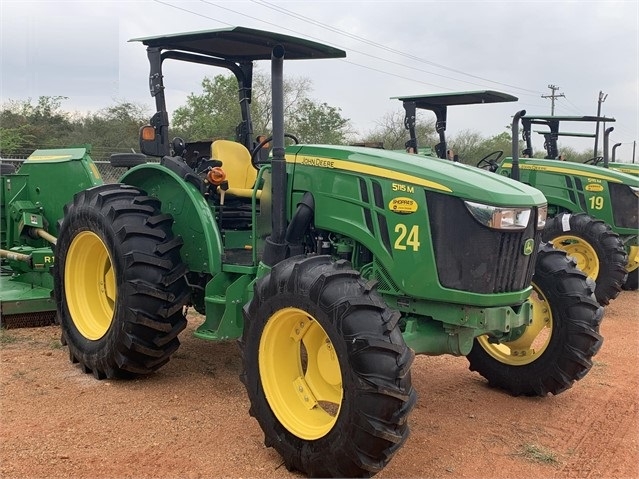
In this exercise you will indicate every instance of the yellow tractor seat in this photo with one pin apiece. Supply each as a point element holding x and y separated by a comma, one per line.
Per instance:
<point>236,163</point>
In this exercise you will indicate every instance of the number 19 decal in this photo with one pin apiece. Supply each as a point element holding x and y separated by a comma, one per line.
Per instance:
<point>596,202</point>
<point>407,238</point>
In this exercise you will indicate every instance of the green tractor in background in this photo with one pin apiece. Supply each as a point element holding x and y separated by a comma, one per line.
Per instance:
<point>332,266</point>
<point>600,207</point>
<point>31,203</point>
<point>594,211</point>
<point>629,168</point>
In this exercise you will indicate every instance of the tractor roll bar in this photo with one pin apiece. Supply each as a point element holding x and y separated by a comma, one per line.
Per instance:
<point>515,149</point>
<point>275,249</point>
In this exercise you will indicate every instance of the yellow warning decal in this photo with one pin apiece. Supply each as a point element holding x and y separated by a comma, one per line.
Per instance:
<point>94,170</point>
<point>566,171</point>
<point>365,169</point>
<point>402,205</point>
<point>49,157</point>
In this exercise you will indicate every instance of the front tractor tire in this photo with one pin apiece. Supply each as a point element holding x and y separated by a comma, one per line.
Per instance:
<point>326,369</point>
<point>119,282</point>
<point>557,348</point>
<point>598,251</point>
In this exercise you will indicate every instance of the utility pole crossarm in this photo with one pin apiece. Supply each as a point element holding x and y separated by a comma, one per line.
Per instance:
<point>552,97</point>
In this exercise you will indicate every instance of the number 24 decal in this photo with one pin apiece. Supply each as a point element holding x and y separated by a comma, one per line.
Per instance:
<point>407,238</point>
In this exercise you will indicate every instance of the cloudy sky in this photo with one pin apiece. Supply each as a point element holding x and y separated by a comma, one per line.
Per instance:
<point>80,49</point>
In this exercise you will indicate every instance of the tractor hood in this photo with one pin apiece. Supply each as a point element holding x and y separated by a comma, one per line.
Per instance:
<point>457,179</point>
<point>588,172</point>
<point>628,168</point>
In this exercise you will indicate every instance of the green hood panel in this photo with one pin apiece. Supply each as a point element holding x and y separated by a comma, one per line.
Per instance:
<point>573,169</point>
<point>466,182</point>
<point>627,168</point>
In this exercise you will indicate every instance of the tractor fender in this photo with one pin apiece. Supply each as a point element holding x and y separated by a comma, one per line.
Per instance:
<point>193,219</point>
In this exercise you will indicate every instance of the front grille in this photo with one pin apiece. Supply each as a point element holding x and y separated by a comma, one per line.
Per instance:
<point>471,257</point>
<point>625,206</point>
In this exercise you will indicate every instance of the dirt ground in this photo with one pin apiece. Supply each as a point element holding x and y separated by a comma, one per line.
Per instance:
<point>190,419</point>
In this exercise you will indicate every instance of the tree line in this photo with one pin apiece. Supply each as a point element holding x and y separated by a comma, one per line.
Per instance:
<point>214,112</point>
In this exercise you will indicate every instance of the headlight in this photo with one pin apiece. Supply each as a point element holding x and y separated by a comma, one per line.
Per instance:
<point>498,217</point>
<point>542,214</point>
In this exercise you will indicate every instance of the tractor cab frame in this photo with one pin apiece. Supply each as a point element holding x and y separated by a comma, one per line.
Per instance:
<point>235,49</point>
<point>438,104</point>
<point>551,136</point>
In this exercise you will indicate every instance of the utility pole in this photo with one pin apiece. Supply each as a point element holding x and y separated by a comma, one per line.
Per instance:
<point>602,98</point>
<point>552,97</point>
<point>634,148</point>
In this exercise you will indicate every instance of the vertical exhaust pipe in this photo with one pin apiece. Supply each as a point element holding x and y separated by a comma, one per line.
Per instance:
<point>514,174</point>
<point>607,132</point>
<point>614,152</point>
<point>275,249</point>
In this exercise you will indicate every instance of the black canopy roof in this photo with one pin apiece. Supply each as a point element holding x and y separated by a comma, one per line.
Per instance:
<point>556,118</point>
<point>241,44</point>
<point>428,102</point>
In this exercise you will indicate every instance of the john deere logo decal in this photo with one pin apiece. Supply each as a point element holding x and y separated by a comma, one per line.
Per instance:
<point>529,246</point>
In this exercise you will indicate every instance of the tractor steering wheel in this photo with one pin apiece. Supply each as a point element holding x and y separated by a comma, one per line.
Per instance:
<point>594,161</point>
<point>261,144</point>
<point>489,163</point>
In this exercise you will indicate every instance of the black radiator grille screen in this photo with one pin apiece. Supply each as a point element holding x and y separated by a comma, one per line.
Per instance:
<point>625,206</point>
<point>472,257</point>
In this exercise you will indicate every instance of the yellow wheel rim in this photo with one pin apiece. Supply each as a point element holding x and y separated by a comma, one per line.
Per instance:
<point>89,284</point>
<point>300,373</point>
<point>530,345</point>
<point>633,258</point>
<point>582,251</point>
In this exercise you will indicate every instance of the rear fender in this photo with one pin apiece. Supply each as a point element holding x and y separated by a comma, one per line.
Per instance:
<point>193,219</point>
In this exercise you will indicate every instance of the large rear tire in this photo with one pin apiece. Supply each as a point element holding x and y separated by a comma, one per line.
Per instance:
<point>557,348</point>
<point>119,282</point>
<point>326,369</point>
<point>598,251</point>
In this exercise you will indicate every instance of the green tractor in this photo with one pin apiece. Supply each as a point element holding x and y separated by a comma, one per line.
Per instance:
<point>31,203</point>
<point>332,265</point>
<point>628,168</point>
<point>592,214</point>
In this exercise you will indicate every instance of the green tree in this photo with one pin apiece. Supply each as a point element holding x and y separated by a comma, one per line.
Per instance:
<point>110,130</point>
<point>14,140</point>
<point>318,123</point>
<point>391,132</point>
<point>25,126</point>
<point>215,112</point>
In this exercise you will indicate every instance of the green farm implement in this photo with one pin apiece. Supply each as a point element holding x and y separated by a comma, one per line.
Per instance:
<point>31,204</point>
<point>331,265</point>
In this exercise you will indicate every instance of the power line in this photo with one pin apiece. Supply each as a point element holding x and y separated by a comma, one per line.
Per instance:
<point>364,40</point>
<point>363,53</point>
<point>384,47</point>
<point>356,51</point>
